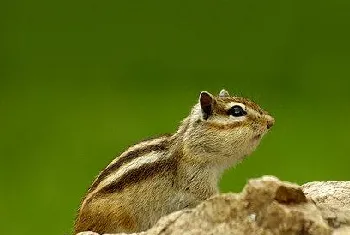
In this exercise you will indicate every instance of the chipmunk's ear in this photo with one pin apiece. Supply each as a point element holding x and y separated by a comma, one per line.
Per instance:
<point>224,93</point>
<point>206,100</point>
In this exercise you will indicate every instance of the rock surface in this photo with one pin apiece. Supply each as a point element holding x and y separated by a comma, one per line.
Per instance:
<point>333,200</point>
<point>265,206</point>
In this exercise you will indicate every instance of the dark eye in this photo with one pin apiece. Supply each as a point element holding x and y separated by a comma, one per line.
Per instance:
<point>236,111</point>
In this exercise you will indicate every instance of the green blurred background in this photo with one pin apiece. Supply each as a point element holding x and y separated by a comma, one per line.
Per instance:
<point>82,80</point>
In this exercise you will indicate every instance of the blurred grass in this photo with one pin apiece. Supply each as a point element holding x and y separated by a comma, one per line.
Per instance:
<point>81,81</point>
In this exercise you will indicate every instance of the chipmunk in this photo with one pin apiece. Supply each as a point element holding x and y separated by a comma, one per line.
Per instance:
<point>158,176</point>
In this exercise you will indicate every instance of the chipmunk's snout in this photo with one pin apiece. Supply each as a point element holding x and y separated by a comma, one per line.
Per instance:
<point>270,121</point>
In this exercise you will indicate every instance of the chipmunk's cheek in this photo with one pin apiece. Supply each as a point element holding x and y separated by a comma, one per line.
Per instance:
<point>257,137</point>
<point>257,132</point>
<point>252,146</point>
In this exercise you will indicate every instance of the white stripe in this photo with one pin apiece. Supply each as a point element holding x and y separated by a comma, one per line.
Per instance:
<point>127,167</point>
<point>226,120</point>
<point>139,145</point>
<point>231,104</point>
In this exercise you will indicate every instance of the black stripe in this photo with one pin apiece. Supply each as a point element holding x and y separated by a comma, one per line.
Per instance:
<point>131,155</point>
<point>137,175</point>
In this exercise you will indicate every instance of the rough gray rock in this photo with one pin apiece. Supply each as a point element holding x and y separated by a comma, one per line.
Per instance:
<point>333,200</point>
<point>265,206</point>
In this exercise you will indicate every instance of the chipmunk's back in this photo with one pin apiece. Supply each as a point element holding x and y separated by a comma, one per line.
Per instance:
<point>111,200</point>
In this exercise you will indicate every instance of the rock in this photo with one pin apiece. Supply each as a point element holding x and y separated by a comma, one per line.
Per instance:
<point>333,200</point>
<point>329,193</point>
<point>265,206</point>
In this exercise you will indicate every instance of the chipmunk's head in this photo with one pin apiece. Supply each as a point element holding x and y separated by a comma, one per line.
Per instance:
<point>225,126</point>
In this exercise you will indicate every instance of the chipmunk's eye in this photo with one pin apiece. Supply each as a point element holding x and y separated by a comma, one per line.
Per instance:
<point>236,111</point>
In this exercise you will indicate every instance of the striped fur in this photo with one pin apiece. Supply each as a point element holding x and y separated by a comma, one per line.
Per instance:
<point>143,172</point>
<point>158,144</point>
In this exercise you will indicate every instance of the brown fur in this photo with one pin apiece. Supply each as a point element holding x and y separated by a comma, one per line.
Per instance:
<point>98,216</point>
<point>226,126</point>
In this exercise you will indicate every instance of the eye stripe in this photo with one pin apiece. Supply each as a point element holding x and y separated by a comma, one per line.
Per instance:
<point>227,126</point>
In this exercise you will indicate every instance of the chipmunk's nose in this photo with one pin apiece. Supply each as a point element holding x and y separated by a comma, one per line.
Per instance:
<point>270,121</point>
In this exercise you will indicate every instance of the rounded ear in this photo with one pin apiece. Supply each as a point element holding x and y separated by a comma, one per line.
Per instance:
<point>224,93</point>
<point>206,101</point>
